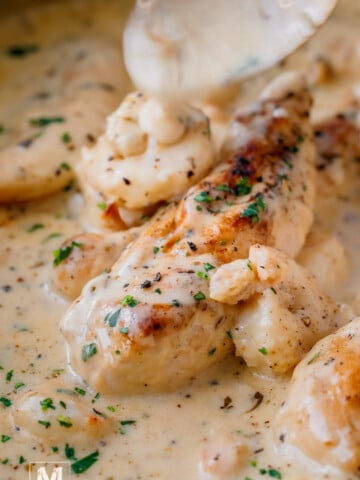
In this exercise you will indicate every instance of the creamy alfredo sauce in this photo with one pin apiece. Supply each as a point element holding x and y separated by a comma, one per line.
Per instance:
<point>172,432</point>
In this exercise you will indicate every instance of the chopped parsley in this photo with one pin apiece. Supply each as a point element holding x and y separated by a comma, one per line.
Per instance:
<point>229,334</point>
<point>111,318</point>
<point>263,350</point>
<point>62,253</point>
<point>80,391</point>
<point>19,51</point>
<point>55,449</point>
<point>5,401</point>
<point>64,421</point>
<point>45,121</point>
<point>5,438</point>
<point>19,385</point>
<point>158,291</point>
<point>175,303</point>
<point>51,236</point>
<point>203,197</point>
<point>199,296</point>
<point>203,275</point>
<point>88,351</point>
<point>129,301</point>
<point>156,250</point>
<point>44,423</point>
<point>22,459</point>
<point>111,408</point>
<point>313,358</point>
<point>242,187</point>
<point>252,211</point>
<point>224,188</point>
<point>211,352</point>
<point>273,290</point>
<point>102,206</point>
<point>85,463</point>
<point>9,375</point>
<point>274,473</point>
<point>47,404</point>
<point>124,423</point>
<point>65,166</point>
<point>124,330</point>
<point>208,267</point>
<point>35,227</point>
<point>66,138</point>
<point>69,452</point>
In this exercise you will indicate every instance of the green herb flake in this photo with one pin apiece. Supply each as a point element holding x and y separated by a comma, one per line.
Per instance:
<point>45,121</point>
<point>208,267</point>
<point>5,438</point>
<point>62,253</point>
<point>47,404</point>
<point>44,423</point>
<point>102,206</point>
<point>19,385</point>
<point>111,318</point>
<point>252,211</point>
<point>111,408</point>
<point>20,51</point>
<point>9,375</point>
<point>88,351</point>
<point>69,452</point>
<point>62,404</point>
<point>51,236</point>
<point>124,330</point>
<point>158,291</point>
<point>242,187</point>
<point>129,301</point>
<point>55,449</point>
<point>22,460</point>
<point>202,275</point>
<point>175,303</point>
<point>2,129</point>
<point>66,138</point>
<point>5,461</point>
<point>85,463</point>
<point>273,290</point>
<point>313,358</point>
<point>5,401</point>
<point>35,227</point>
<point>64,421</point>
<point>199,296</point>
<point>229,334</point>
<point>249,265</point>
<point>224,188</point>
<point>203,197</point>
<point>274,473</point>
<point>65,166</point>
<point>156,250</point>
<point>263,350</point>
<point>124,423</point>
<point>80,391</point>
<point>198,208</point>
<point>211,352</point>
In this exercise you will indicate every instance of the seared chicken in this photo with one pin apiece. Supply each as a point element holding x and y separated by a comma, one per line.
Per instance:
<point>285,314</point>
<point>150,323</point>
<point>56,114</point>
<point>320,417</point>
<point>150,152</point>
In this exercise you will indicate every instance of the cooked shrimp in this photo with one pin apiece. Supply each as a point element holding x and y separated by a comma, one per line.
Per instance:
<point>93,253</point>
<point>286,313</point>
<point>150,152</point>
<point>157,294</point>
<point>320,417</point>
<point>62,106</point>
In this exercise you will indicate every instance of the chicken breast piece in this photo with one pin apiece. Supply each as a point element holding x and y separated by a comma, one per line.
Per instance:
<point>89,255</point>
<point>149,323</point>
<point>150,152</point>
<point>320,417</point>
<point>286,313</point>
<point>53,409</point>
<point>59,106</point>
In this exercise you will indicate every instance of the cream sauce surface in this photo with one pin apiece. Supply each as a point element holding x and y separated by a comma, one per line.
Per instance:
<point>172,432</point>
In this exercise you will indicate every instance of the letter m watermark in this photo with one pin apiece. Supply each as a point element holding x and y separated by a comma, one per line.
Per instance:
<point>49,471</point>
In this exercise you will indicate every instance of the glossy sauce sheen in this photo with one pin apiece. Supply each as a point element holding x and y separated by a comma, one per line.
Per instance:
<point>171,430</point>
